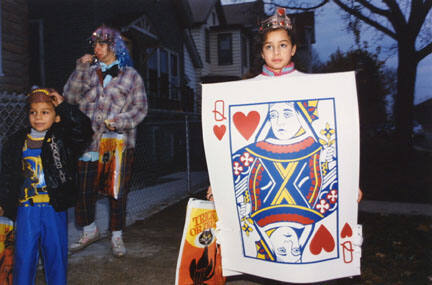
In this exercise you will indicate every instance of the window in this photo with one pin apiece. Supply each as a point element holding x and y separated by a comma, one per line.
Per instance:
<point>152,72</point>
<point>174,65</point>
<point>164,83</point>
<point>207,46</point>
<point>174,78</point>
<point>163,73</point>
<point>224,49</point>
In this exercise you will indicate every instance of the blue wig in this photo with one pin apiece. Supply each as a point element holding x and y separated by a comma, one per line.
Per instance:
<point>115,42</point>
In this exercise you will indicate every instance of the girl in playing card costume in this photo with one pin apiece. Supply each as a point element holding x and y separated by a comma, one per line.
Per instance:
<point>285,181</point>
<point>38,178</point>
<point>111,93</point>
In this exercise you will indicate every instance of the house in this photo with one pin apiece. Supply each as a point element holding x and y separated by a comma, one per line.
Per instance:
<point>224,38</point>
<point>152,30</point>
<point>14,51</point>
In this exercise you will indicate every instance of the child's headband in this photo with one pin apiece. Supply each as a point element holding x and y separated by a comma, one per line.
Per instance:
<point>38,91</point>
<point>278,21</point>
<point>39,95</point>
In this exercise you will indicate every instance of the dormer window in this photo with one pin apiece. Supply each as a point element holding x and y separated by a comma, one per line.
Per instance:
<point>225,49</point>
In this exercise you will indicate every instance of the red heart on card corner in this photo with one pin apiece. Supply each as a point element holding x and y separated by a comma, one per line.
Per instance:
<point>346,231</point>
<point>219,131</point>
<point>322,240</point>
<point>246,125</point>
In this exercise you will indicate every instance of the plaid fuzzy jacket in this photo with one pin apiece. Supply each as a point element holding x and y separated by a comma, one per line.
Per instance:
<point>123,99</point>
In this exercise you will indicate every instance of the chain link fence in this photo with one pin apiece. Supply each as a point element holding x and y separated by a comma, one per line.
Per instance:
<point>169,162</point>
<point>169,157</point>
<point>13,116</point>
<point>167,142</point>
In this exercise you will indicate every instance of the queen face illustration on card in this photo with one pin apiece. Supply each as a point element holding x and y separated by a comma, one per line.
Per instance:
<point>285,178</point>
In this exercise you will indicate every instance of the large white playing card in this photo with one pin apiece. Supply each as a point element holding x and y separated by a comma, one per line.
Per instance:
<point>283,161</point>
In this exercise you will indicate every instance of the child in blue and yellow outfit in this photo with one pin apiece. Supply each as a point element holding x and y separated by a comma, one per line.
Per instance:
<point>38,183</point>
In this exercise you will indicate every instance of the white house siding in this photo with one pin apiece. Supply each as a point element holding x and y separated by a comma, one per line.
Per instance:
<point>189,70</point>
<point>198,35</point>
<point>230,70</point>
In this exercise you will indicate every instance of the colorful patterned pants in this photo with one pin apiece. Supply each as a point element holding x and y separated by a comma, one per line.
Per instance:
<point>85,209</point>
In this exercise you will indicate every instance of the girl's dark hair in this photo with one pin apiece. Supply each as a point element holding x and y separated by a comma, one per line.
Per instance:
<point>260,38</point>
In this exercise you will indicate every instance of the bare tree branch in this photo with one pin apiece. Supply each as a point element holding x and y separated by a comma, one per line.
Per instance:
<point>424,52</point>
<point>396,17</point>
<point>298,7</point>
<point>365,19</point>
<point>323,2</point>
<point>418,15</point>
<point>374,9</point>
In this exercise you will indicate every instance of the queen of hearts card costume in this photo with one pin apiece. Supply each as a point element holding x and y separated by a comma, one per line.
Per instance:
<point>283,163</point>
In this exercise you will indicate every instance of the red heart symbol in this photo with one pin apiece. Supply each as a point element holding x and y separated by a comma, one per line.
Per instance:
<point>246,125</point>
<point>322,240</point>
<point>346,231</point>
<point>219,131</point>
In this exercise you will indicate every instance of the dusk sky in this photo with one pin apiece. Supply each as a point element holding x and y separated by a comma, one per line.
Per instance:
<point>331,34</point>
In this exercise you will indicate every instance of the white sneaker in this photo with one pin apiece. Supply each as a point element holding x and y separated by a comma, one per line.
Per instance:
<point>118,247</point>
<point>85,240</point>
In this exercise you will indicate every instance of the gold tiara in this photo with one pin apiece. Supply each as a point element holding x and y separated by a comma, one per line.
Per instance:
<point>278,20</point>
